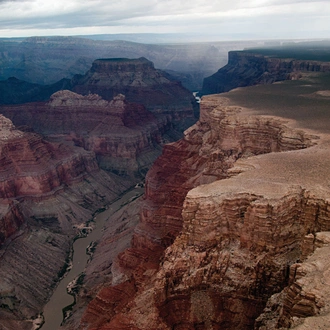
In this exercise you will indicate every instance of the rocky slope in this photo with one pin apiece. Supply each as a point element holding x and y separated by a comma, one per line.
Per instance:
<point>125,137</point>
<point>51,182</point>
<point>140,82</point>
<point>246,68</point>
<point>46,190</point>
<point>212,256</point>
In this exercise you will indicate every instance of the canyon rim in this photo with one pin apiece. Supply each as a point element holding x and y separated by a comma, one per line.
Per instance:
<point>232,232</point>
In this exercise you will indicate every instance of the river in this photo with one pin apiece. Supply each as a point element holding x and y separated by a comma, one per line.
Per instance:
<point>53,315</point>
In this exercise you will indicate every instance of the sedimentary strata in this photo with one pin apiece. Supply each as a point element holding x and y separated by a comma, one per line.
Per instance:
<point>46,189</point>
<point>210,257</point>
<point>246,68</point>
<point>125,137</point>
<point>141,83</point>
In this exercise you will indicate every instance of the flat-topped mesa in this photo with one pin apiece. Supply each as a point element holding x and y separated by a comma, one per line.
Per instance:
<point>125,136</point>
<point>122,64</point>
<point>141,83</point>
<point>246,68</point>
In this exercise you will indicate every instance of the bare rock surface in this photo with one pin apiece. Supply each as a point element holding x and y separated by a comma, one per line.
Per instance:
<point>140,82</point>
<point>246,68</point>
<point>125,137</point>
<point>210,257</point>
<point>47,189</point>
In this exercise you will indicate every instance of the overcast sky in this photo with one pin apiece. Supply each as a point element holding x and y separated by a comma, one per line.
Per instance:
<point>235,19</point>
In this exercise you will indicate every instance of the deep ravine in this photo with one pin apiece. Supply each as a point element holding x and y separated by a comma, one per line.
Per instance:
<point>53,315</point>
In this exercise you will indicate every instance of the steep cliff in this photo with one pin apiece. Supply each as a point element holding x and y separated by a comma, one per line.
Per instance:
<point>141,83</point>
<point>46,190</point>
<point>212,256</point>
<point>246,68</point>
<point>125,137</point>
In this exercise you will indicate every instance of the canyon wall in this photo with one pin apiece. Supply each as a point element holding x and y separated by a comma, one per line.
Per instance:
<point>48,190</point>
<point>210,257</point>
<point>126,132</point>
<point>125,137</point>
<point>140,82</point>
<point>246,68</point>
<point>52,176</point>
<point>46,60</point>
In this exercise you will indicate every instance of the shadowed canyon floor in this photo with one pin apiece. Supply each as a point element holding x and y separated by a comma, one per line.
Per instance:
<point>234,222</point>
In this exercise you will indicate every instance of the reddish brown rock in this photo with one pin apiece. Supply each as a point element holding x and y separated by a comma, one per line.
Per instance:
<point>125,137</point>
<point>141,83</point>
<point>198,283</point>
<point>46,189</point>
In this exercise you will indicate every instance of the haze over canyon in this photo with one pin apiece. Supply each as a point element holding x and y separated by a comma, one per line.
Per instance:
<point>232,230</point>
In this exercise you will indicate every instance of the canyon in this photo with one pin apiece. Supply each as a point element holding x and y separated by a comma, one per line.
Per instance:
<point>135,109</point>
<point>232,232</point>
<point>232,215</point>
<point>47,60</point>
<point>63,160</point>
<point>246,68</point>
<point>48,189</point>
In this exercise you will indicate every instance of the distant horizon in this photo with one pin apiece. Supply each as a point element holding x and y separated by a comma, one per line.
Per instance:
<point>168,37</point>
<point>248,20</point>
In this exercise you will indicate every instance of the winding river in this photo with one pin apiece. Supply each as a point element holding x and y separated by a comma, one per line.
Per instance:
<point>53,315</point>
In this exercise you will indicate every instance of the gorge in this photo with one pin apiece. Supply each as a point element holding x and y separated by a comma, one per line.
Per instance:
<point>232,232</point>
<point>203,260</point>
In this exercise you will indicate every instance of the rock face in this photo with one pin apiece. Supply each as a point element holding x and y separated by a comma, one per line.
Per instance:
<point>211,257</point>
<point>49,186</point>
<point>125,137</point>
<point>246,69</point>
<point>140,82</point>
<point>45,190</point>
<point>304,303</point>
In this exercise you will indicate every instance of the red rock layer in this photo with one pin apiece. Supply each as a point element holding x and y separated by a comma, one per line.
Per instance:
<point>140,82</point>
<point>31,166</point>
<point>208,150</point>
<point>125,137</point>
<point>46,189</point>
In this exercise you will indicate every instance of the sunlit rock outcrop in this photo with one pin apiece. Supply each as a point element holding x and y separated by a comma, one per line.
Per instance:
<point>210,257</point>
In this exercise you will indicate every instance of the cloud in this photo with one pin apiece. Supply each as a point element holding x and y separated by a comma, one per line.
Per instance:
<point>162,15</point>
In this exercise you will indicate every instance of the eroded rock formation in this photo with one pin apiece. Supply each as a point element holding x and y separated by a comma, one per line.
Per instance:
<point>212,256</point>
<point>246,69</point>
<point>46,190</point>
<point>141,83</point>
<point>125,137</point>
